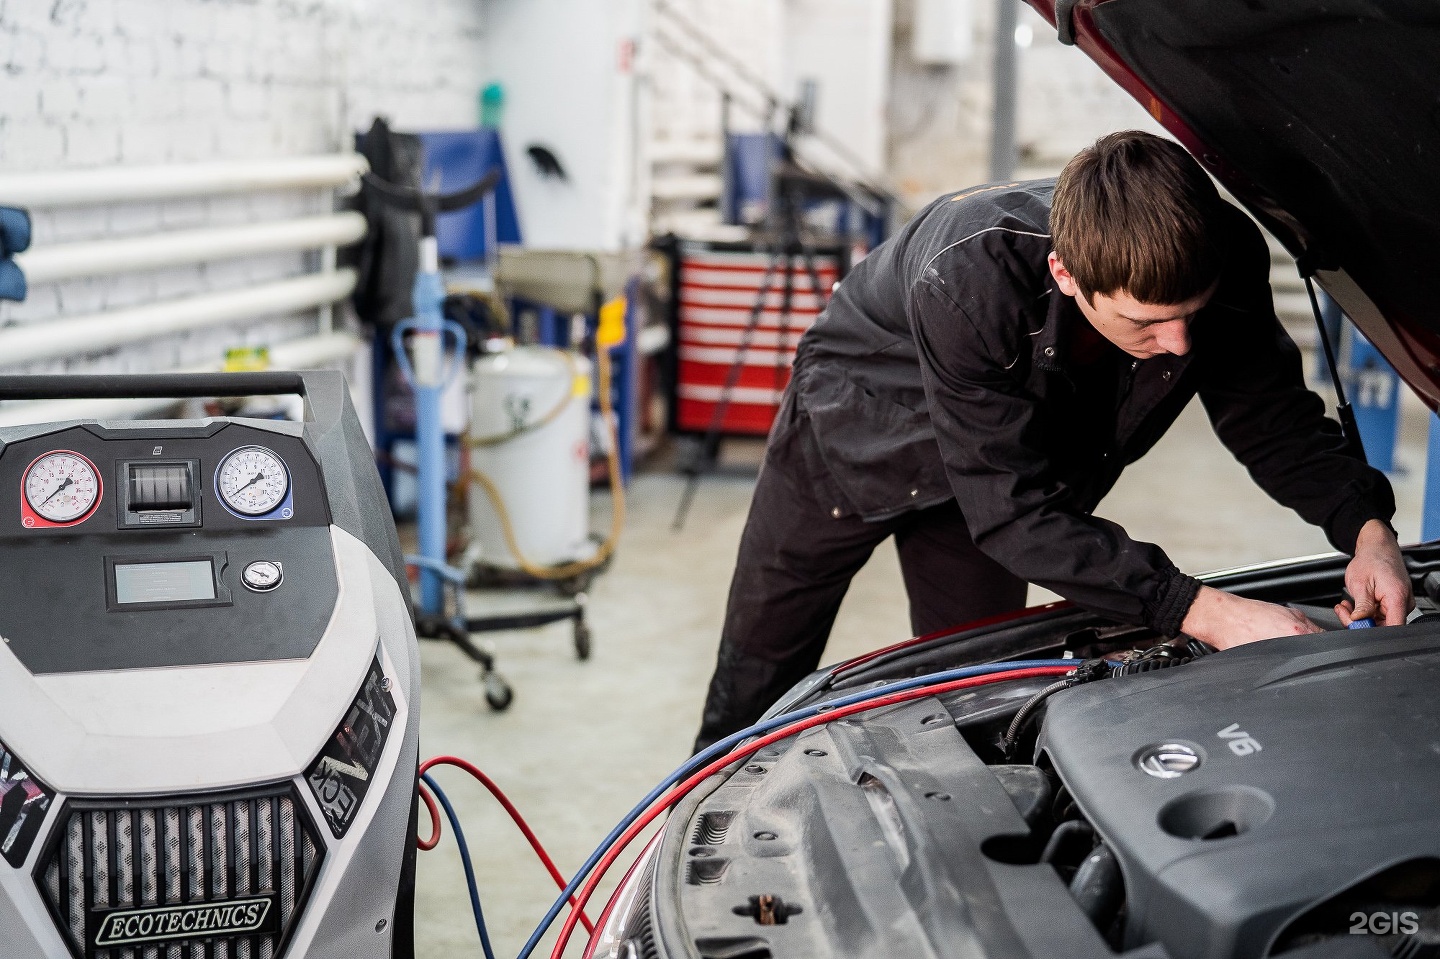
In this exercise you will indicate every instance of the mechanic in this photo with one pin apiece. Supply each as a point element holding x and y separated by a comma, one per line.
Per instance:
<point>977,384</point>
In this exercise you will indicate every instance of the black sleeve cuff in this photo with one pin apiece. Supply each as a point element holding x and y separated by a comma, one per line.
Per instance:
<point>1177,592</point>
<point>1343,528</point>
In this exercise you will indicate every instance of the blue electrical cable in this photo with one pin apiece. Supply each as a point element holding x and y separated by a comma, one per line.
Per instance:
<point>464,858</point>
<point>729,742</point>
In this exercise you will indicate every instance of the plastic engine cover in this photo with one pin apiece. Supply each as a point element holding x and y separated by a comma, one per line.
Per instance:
<point>1319,766</point>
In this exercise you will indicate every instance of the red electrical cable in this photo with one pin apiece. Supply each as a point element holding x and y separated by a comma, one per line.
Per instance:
<point>741,752</point>
<point>534,840</point>
<point>434,840</point>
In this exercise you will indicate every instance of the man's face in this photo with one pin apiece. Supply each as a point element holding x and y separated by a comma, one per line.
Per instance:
<point>1140,329</point>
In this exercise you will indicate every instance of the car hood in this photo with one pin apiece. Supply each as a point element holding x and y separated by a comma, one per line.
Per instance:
<point>1322,117</point>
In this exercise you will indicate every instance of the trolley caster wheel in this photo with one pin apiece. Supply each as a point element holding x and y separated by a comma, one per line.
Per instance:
<point>582,641</point>
<point>498,693</point>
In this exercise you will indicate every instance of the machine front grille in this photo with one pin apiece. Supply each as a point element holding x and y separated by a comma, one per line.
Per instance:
<point>213,876</point>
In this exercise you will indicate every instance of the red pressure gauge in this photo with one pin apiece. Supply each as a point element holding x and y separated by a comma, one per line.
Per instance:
<point>60,488</point>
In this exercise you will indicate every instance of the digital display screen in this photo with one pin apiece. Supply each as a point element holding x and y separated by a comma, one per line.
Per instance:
<point>164,582</point>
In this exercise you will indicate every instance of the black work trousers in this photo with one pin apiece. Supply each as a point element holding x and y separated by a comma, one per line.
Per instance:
<point>795,564</point>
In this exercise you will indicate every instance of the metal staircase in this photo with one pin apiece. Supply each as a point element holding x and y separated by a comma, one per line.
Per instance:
<point>707,79</point>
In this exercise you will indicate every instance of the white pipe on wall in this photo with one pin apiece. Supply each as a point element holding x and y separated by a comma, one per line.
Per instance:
<point>133,184</point>
<point>51,339</point>
<point>180,247</point>
<point>303,354</point>
<point>328,259</point>
<point>62,337</point>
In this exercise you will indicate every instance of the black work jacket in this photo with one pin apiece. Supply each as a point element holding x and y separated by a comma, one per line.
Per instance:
<point>944,367</point>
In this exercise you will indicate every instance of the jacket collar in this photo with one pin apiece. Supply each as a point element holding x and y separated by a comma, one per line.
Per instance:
<point>1052,342</point>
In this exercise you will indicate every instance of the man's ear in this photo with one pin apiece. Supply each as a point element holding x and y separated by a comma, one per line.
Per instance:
<point>1063,280</point>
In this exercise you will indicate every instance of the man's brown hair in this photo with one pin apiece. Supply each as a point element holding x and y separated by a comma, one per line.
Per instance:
<point>1136,213</point>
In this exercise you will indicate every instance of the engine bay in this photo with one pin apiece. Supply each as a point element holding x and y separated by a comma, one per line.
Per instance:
<point>1280,799</point>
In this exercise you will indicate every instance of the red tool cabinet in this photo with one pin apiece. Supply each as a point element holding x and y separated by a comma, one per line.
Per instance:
<point>716,292</point>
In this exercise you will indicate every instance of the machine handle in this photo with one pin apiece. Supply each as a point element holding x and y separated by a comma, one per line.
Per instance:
<point>128,386</point>
<point>445,570</point>
<point>453,360</point>
<point>408,198</point>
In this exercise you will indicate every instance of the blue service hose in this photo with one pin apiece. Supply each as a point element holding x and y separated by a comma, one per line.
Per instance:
<point>465,859</point>
<point>729,742</point>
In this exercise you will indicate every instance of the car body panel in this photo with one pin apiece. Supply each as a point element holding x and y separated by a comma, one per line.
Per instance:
<point>1341,172</point>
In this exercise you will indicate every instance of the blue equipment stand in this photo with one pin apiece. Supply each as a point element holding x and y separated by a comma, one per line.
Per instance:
<point>431,371</point>
<point>453,159</point>
<point>1374,389</point>
<point>1430,510</point>
<point>458,157</point>
<point>749,181</point>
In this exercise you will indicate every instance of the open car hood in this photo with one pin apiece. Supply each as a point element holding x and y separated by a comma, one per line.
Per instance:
<point>1322,117</point>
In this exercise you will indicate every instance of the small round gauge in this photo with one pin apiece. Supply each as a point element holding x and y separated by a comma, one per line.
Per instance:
<point>262,576</point>
<point>252,481</point>
<point>62,486</point>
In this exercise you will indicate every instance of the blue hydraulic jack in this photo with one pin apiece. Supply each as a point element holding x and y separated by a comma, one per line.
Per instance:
<point>428,367</point>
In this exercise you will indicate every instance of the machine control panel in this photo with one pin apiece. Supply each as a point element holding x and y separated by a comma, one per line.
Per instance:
<point>163,546</point>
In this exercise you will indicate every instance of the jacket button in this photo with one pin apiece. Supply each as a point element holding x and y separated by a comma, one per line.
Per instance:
<point>1165,375</point>
<point>835,512</point>
<point>914,492</point>
<point>1049,351</point>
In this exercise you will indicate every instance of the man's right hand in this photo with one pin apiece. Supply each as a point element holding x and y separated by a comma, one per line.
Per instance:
<point>1224,620</point>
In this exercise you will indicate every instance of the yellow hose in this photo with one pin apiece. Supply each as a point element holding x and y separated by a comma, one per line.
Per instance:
<point>617,490</point>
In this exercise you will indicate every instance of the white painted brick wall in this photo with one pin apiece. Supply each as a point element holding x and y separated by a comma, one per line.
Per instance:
<point>940,117</point>
<point>1066,101</point>
<point>86,83</point>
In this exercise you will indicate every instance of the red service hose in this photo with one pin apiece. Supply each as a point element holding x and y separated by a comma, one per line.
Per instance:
<point>504,801</point>
<point>434,840</point>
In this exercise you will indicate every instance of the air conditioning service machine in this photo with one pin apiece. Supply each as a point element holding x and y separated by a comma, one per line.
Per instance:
<point>209,682</point>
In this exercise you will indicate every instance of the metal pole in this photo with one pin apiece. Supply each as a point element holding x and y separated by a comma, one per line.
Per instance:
<point>1004,154</point>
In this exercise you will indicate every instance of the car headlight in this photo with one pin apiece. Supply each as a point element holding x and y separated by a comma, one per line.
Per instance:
<point>628,912</point>
<point>24,801</point>
<point>341,775</point>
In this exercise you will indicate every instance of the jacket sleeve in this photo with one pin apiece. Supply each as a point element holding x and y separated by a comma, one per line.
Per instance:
<point>1018,512</point>
<point>1253,389</point>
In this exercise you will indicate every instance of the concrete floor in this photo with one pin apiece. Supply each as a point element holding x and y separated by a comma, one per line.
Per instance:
<point>584,741</point>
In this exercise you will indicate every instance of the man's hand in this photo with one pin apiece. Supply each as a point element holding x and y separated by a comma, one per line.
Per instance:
<point>1376,580</point>
<point>1224,620</point>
